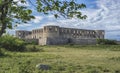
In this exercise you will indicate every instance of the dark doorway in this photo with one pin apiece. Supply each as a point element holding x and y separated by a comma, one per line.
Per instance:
<point>69,41</point>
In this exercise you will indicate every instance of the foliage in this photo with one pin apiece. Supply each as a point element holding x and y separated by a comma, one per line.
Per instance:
<point>12,43</point>
<point>67,9</point>
<point>12,12</point>
<point>106,42</point>
<point>33,48</point>
<point>31,42</point>
<point>1,51</point>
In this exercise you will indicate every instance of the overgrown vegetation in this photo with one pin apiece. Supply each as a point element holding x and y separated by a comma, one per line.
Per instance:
<point>64,59</point>
<point>11,43</point>
<point>106,42</point>
<point>14,44</point>
<point>33,48</point>
<point>1,52</point>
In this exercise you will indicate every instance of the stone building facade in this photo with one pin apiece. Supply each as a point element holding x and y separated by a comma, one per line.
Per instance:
<point>22,33</point>
<point>54,35</point>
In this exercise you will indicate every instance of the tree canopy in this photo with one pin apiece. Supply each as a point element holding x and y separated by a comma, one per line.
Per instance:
<point>11,12</point>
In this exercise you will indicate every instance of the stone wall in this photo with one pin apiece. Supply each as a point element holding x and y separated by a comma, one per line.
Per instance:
<point>50,31</point>
<point>54,35</point>
<point>84,41</point>
<point>60,41</point>
<point>80,33</point>
<point>22,33</point>
<point>42,41</point>
<point>56,41</point>
<point>37,33</point>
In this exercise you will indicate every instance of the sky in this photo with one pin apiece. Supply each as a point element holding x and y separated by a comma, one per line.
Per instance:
<point>101,15</point>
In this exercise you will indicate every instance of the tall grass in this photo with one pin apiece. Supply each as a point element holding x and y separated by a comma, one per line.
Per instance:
<point>64,59</point>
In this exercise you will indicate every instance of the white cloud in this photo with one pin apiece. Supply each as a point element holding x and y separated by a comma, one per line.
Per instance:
<point>24,25</point>
<point>37,19</point>
<point>22,4</point>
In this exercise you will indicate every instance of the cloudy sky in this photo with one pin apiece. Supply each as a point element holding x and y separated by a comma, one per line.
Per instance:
<point>101,14</point>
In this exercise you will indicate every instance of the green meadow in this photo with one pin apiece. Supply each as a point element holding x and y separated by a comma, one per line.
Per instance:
<point>64,59</point>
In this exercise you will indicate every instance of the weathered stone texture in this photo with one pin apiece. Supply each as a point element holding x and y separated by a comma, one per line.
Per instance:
<point>54,35</point>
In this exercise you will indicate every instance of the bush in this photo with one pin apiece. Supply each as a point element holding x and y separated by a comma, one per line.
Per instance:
<point>30,42</point>
<point>32,48</point>
<point>1,52</point>
<point>11,43</point>
<point>106,42</point>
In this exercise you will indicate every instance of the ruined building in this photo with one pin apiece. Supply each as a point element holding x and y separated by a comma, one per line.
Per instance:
<point>54,35</point>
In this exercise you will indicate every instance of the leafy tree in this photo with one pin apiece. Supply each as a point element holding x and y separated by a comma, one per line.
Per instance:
<point>11,12</point>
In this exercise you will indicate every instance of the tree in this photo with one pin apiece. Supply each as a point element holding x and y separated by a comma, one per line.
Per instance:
<point>11,12</point>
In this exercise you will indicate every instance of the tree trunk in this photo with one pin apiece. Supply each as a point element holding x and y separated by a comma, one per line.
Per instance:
<point>3,16</point>
<point>2,29</point>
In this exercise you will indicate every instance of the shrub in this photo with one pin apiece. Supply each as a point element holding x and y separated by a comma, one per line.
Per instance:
<point>12,43</point>
<point>1,52</point>
<point>33,42</point>
<point>71,44</point>
<point>106,42</point>
<point>32,48</point>
<point>30,42</point>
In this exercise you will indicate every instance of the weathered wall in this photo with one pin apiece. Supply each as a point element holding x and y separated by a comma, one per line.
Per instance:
<point>84,41</point>
<point>81,33</point>
<point>53,35</point>
<point>50,31</point>
<point>60,41</point>
<point>56,41</point>
<point>42,41</point>
<point>22,33</point>
<point>37,33</point>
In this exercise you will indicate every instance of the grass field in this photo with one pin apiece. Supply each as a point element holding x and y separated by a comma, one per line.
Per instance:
<point>64,59</point>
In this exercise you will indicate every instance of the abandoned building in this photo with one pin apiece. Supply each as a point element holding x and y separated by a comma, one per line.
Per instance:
<point>54,35</point>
